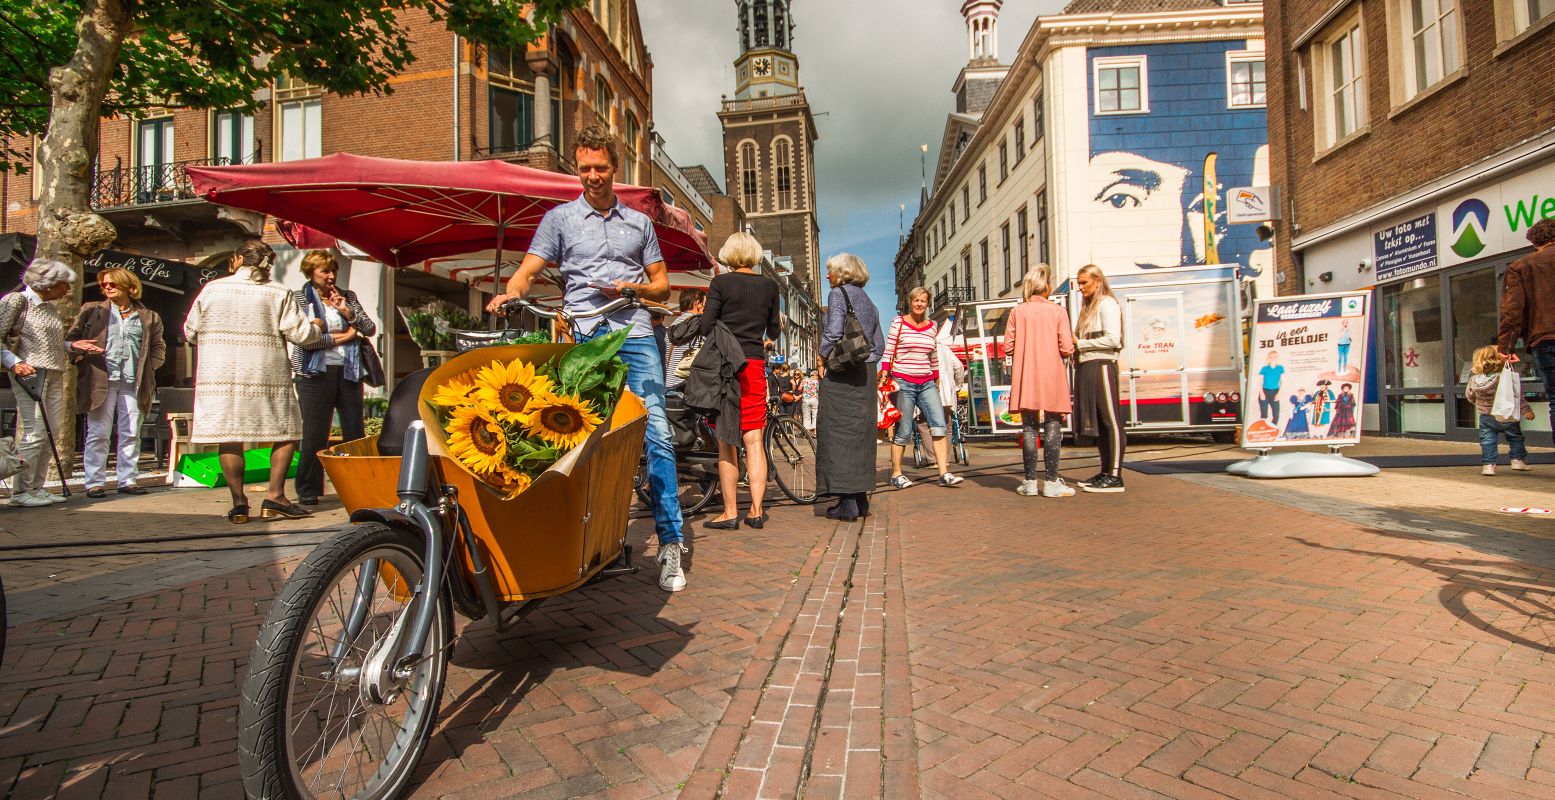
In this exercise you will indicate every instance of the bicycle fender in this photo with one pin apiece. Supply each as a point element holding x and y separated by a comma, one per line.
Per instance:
<point>388,516</point>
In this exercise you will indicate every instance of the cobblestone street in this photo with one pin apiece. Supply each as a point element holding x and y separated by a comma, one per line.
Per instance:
<point>1197,636</point>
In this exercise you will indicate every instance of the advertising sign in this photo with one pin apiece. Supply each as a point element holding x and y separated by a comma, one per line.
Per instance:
<point>1405,248</point>
<point>1306,374</point>
<point>1252,204</point>
<point>155,271</point>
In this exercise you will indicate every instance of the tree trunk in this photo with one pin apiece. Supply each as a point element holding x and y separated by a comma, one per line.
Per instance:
<point>68,231</point>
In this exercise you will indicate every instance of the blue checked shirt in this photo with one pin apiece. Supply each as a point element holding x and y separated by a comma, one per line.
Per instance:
<point>595,249</point>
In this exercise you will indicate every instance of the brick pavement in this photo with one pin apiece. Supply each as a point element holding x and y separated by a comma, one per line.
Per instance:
<point>1184,641</point>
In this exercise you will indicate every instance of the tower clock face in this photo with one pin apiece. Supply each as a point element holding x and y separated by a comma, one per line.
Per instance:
<point>761,67</point>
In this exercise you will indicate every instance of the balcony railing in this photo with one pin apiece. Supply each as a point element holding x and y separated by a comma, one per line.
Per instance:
<point>150,184</point>
<point>951,296</point>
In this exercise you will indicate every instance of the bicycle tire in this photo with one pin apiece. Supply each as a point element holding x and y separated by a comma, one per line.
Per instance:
<point>278,664</point>
<point>792,460</point>
<point>696,490</point>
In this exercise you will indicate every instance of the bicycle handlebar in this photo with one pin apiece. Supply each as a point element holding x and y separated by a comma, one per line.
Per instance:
<point>627,299</point>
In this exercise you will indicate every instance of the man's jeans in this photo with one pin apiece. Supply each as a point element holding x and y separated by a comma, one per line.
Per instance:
<point>1544,361</point>
<point>645,377</point>
<point>1490,429</point>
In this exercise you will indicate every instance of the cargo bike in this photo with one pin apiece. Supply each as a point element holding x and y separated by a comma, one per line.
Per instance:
<point>346,676</point>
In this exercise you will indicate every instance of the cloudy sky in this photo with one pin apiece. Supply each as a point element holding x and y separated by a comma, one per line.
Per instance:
<point>878,75</point>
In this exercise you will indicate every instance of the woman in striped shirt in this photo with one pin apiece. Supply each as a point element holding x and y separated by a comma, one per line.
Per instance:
<point>912,360</point>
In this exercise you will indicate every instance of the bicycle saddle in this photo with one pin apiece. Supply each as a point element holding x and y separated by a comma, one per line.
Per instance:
<point>402,411</point>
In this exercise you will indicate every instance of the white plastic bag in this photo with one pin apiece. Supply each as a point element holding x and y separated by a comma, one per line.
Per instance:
<point>1508,405</point>
<point>10,461</point>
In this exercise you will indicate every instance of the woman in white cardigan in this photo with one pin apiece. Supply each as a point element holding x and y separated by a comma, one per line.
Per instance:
<point>243,381</point>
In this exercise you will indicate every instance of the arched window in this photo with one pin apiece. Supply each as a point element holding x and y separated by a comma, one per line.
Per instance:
<point>783,160</point>
<point>748,194</point>
<point>763,31</point>
<point>779,28</point>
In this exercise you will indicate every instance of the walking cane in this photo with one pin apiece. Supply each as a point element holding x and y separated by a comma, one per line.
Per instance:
<point>33,386</point>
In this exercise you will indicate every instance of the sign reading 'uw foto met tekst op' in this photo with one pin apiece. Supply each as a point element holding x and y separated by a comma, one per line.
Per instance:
<point>1405,248</point>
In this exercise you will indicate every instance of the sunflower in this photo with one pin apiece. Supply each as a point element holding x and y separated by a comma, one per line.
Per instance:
<point>457,391</point>
<point>561,420</point>
<point>512,483</point>
<point>475,438</point>
<point>509,389</point>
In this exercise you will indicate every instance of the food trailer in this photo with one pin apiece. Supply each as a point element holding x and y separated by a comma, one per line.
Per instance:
<point>1182,361</point>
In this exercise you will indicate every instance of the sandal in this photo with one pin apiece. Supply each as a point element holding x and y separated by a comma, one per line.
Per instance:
<point>238,515</point>
<point>270,508</point>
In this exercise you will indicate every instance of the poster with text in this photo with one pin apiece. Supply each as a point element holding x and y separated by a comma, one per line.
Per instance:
<point>1306,371</point>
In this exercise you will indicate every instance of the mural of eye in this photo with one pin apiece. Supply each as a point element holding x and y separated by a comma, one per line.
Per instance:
<point>1124,199</point>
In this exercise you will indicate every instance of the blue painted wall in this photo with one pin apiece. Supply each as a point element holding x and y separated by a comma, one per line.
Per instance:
<point>1187,120</point>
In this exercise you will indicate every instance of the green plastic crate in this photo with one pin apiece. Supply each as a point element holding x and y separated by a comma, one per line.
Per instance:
<point>204,469</point>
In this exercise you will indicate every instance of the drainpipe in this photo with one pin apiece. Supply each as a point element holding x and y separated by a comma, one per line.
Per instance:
<point>456,97</point>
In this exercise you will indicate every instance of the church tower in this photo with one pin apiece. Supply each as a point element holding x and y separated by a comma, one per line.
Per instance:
<point>769,139</point>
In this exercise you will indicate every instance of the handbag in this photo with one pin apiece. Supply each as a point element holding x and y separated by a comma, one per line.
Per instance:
<point>372,365</point>
<point>683,368</point>
<point>853,348</point>
<point>10,460</point>
<point>887,414</point>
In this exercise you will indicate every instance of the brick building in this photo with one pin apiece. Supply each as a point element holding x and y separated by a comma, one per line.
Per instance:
<point>1414,143</point>
<point>457,101</point>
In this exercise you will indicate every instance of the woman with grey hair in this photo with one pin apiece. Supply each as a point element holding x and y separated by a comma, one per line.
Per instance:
<point>845,430</point>
<point>35,345</point>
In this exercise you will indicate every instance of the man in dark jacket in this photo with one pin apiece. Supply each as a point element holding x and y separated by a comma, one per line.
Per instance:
<point>1528,303</point>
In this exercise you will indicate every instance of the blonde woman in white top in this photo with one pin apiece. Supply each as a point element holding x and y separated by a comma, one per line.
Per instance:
<point>1098,341</point>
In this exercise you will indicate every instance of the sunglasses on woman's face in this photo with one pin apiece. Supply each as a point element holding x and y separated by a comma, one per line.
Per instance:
<point>108,285</point>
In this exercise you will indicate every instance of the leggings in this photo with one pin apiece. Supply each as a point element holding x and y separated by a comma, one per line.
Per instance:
<point>1052,432</point>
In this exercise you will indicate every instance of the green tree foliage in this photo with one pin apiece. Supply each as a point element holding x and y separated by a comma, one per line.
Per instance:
<point>220,53</point>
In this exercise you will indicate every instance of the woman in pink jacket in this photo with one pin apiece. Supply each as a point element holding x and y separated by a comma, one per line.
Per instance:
<point>1037,339</point>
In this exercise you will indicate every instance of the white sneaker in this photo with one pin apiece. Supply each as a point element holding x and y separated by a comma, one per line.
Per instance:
<point>31,499</point>
<point>950,479</point>
<point>1057,489</point>
<point>1520,465</point>
<point>51,497</point>
<point>1031,488</point>
<point>671,578</point>
<point>1488,469</point>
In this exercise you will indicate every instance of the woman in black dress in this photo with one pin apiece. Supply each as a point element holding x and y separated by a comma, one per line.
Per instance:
<point>845,424</point>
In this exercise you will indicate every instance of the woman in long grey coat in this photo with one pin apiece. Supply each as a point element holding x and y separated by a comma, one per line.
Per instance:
<point>243,379</point>
<point>845,424</point>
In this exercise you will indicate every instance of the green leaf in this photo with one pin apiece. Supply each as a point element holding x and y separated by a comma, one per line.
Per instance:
<point>584,359</point>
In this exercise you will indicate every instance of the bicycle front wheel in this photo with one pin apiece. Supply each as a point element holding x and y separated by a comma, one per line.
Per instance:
<point>313,722</point>
<point>791,459</point>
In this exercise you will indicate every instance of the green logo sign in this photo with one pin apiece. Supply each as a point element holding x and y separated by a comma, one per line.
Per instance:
<point>1469,221</point>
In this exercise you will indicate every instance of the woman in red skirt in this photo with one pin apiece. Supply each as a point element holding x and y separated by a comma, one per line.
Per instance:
<point>746,303</point>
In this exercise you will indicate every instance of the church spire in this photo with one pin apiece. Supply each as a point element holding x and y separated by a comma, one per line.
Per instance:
<point>767,66</point>
<point>982,30</point>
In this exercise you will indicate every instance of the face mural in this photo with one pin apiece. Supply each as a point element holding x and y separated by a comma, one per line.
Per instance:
<point>1146,182</point>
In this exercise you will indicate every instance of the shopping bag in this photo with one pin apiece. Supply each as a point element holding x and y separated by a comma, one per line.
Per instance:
<point>1508,405</point>
<point>10,460</point>
<point>887,414</point>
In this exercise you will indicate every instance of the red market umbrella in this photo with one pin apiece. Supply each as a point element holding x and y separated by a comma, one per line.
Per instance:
<point>405,212</point>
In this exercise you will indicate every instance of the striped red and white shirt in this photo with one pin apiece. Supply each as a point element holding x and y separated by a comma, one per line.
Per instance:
<point>911,352</point>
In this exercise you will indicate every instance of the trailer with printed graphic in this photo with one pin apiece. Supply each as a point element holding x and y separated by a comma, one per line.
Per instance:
<point>1181,366</point>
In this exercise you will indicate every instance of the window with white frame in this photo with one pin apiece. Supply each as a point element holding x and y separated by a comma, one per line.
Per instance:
<point>1527,12</point>
<point>982,184</point>
<point>1246,86</point>
<point>232,135</point>
<point>952,217</point>
<point>748,189</point>
<point>1004,160</point>
<point>966,202</point>
<point>1432,45</point>
<point>1343,89</point>
<point>301,129</point>
<point>1121,85</point>
<point>784,161</point>
<point>1020,138</point>
<point>1004,251</point>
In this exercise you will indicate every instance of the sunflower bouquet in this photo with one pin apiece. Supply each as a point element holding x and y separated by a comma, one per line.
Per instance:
<point>507,422</point>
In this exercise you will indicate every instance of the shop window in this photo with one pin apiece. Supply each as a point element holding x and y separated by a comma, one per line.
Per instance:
<point>1431,45</point>
<point>1120,86</point>
<point>1420,414</point>
<point>232,137</point>
<point>1340,84</point>
<point>1412,331</point>
<point>1246,86</point>
<point>1475,318</point>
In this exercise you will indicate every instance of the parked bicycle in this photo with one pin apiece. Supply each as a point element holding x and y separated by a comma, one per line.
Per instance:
<point>346,676</point>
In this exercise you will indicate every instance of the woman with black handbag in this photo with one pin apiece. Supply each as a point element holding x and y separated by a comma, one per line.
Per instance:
<point>329,377</point>
<point>851,346</point>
